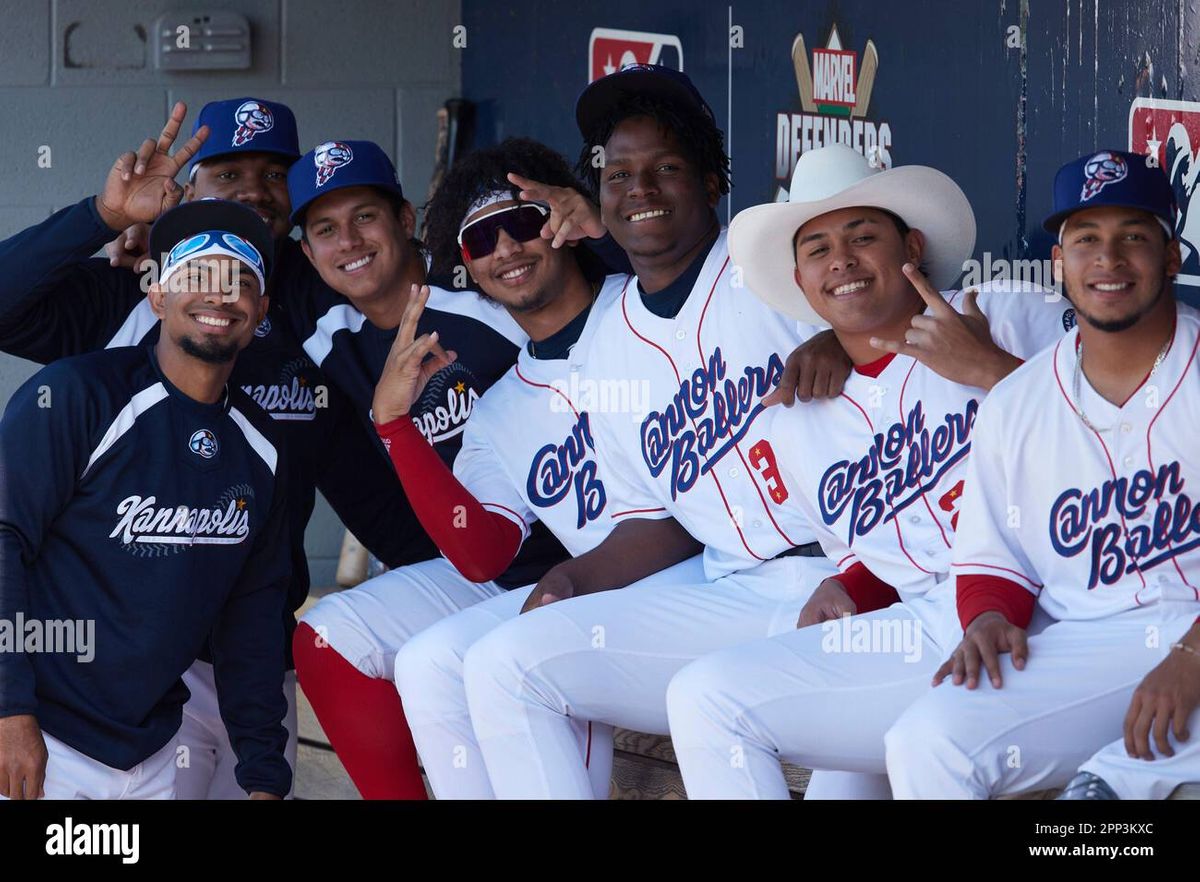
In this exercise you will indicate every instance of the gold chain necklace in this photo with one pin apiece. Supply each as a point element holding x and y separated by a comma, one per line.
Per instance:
<point>1077,404</point>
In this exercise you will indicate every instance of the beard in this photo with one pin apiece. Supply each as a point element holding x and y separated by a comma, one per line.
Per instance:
<point>532,302</point>
<point>535,301</point>
<point>214,352</point>
<point>1124,323</point>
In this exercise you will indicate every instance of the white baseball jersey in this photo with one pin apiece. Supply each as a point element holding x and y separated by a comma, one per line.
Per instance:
<point>691,444</point>
<point>1098,521</point>
<point>880,469</point>
<point>528,452</point>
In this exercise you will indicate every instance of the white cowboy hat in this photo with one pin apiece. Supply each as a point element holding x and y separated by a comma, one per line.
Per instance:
<point>833,177</point>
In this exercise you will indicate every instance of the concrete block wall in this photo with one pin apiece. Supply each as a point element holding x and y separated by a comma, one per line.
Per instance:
<point>78,77</point>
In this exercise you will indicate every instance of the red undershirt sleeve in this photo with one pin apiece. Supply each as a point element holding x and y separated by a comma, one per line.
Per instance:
<point>979,594</point>
<point>867,590</point>
<point>481,544</point>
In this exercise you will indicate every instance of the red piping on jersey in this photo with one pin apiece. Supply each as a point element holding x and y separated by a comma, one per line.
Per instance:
<point>1021,576</point>
<point>844,559</point>
<point>633,330</point>
<point>1137,388</point>
<point>679,380</point>
<point>559,392</point>
<point>633,511</point>
<point>1111,468</point>
<point>737,446</point>
<point>900,409</point>
<point>516,516</point>
<point>895,520</point>
<point>1150,455</point>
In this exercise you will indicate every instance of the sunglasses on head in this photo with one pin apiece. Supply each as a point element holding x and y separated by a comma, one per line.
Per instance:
<point>522,222</point>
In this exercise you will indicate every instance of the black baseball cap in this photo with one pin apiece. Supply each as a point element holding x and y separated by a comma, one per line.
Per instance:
<point>599,99</point>
<point>206,224</point>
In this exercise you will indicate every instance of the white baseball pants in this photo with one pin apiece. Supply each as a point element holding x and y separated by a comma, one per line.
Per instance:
<point>206,765</point>
<point>1045,721</point>
<point>368,626</point>
<point>74,775</point>
<point>821,697</point>
<point>429,675</point>
<point>609,658</point>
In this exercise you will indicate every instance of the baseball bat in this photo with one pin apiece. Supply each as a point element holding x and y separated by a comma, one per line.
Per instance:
<point>804,81</point>
<point>352,562</point>
<point>866,79</point>
<point>461,129</point>
<point>441,150</point>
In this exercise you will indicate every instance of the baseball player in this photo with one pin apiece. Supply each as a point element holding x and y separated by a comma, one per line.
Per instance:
<point>367,626</point>
<point>878,472</point>
<point>58,302</point>
<point>527,456</point>
<point>357,231</point>
<point>1079,503</point>
<point>707,353</point>
<point>142,495</point>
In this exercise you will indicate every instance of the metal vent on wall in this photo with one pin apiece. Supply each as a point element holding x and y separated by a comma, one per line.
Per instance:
<point>201,41</point>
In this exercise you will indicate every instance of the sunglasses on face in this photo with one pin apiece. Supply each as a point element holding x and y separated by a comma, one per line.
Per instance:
<point>522,222</point>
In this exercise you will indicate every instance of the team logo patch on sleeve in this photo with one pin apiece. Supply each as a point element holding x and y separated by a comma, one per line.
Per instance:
<point>1102,169</point>
<point>329,157</point>
<point>264,327</point>
<point>252,118</point>
<point>203,443</point>
<point>1068,319</point>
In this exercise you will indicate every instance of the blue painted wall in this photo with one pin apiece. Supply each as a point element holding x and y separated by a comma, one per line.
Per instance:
<point>955,94</point>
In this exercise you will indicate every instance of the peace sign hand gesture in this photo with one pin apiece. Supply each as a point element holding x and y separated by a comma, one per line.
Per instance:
<point>410,364</point>
<point>141,186</point>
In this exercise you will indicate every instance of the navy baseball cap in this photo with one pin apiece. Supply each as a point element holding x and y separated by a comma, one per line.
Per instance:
<point>247,125</point>
<point>213,226</point>
<point>602,96</point>
<point>338,164</point>
<point>1111,177</point>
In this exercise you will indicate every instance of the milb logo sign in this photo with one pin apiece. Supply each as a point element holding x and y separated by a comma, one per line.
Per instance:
<point>1168,134</point>
<point>609,50</point>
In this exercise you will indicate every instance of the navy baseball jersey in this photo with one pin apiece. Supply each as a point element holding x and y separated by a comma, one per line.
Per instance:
<point>353,352</point>
<point>160,519</point>
<point>56,302</point>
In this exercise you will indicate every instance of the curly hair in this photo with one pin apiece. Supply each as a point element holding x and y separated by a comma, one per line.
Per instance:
<point>480,172</point>
<point>698,136</point>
